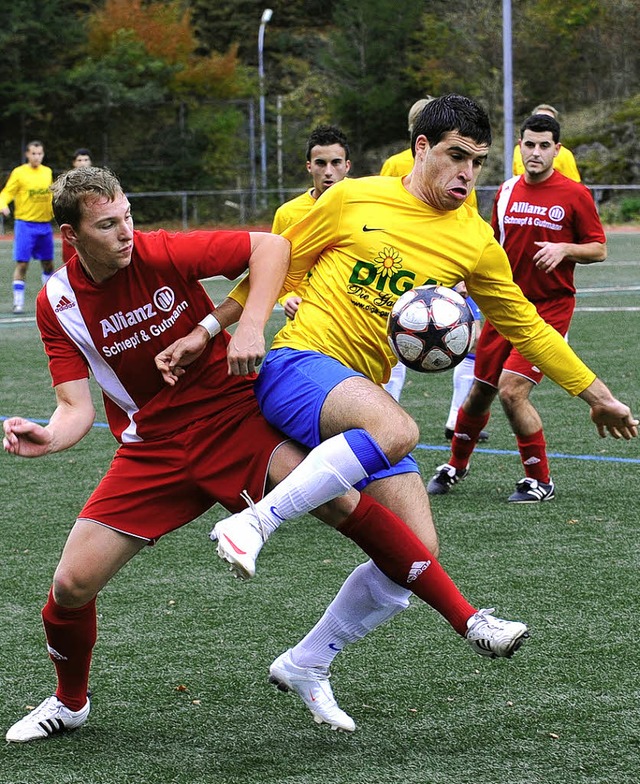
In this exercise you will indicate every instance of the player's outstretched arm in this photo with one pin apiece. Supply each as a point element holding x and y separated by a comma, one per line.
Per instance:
<point>608,413</point>
<point>268,264</point>
<point>70,422</point>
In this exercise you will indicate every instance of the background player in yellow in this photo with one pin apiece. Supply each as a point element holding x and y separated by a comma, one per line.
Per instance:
<point>564,162</point>
<point>327,162</point>
<point>366,242</point>
<point>28,188</point>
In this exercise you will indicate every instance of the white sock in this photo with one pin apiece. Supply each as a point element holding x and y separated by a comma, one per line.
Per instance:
<point>367,599</point>
<point>18,293</point>
<point>396,380</point>
<point>462,381</point>
<point>327,472</point>
<point>44,276</point>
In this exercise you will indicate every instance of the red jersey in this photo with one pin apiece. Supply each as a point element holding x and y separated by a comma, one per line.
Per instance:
<point>115,329</point>
<point>556,210</point>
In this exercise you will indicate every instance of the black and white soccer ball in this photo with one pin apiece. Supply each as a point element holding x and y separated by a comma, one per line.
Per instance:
<point>430,329</point>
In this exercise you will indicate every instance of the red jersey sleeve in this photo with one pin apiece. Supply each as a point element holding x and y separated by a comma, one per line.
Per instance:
<point>198,254</point>
<point>66,362</point>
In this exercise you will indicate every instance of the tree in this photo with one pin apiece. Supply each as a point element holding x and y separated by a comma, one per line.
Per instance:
<point>367,68</point>
<point>38,41</point>
<point>153,93</point>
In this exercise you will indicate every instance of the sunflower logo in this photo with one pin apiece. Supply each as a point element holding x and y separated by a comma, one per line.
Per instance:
<point>387,262</point>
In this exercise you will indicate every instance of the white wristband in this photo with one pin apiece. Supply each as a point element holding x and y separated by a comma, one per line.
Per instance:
<point>211,324</point>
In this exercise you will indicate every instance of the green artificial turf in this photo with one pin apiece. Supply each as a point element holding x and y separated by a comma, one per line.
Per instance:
<point>179,680</point>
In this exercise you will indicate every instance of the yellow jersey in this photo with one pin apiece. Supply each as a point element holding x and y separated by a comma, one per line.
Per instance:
<point>398,165</point>
<point>369,240</point>
<point>28,188</point>
<point>564,162</point>
<point>291,211</point>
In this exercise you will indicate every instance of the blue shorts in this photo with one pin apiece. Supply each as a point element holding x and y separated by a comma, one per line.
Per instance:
<point>291,389</point>
<point>474,309</point>
<point>32,240</point>
<point>477,315</point>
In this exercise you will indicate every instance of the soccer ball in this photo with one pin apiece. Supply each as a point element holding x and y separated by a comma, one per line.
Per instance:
<point>430,329</point>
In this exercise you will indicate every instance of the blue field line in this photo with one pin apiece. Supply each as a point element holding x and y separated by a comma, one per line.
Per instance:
<point>46,421</point>
<point>446,448</point>
<point>560,455</point>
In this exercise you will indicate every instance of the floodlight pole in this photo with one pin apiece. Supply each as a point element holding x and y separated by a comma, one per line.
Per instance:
<point>266,16</point>
<point>507,87</point>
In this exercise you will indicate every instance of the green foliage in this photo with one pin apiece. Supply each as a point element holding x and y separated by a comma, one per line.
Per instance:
<point>367,68</point>
<point>128,79</point>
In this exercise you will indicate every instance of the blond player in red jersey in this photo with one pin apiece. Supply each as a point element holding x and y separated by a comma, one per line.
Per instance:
<point>107,312</point>
<point>547,224</point>
<point>366,242</point>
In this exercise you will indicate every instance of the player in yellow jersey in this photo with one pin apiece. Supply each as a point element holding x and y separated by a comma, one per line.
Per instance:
<point>564,162</point>
<point>366,242</point>
<point>327,162</point>
<point>28,188</point>
<point>400,165</point>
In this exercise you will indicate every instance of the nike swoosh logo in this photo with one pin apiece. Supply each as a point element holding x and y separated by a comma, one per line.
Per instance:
<point>369,228</point>
<point>275,513</point>
<point>235,547</point>
<point>311,697</point>
<point>334,647</point>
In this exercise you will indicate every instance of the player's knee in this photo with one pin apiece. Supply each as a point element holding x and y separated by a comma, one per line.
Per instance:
<point>511,396</point>
<point>70,590</point>
<point>404,438</point>
<point>479,399</point>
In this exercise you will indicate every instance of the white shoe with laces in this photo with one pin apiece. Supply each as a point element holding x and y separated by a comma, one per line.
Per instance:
<point>490,636</point>
<point>240,539</point>
<point>312,685</point>
<point>49,718</point>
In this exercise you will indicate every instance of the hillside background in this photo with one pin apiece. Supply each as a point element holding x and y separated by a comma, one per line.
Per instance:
<point>167,93</point>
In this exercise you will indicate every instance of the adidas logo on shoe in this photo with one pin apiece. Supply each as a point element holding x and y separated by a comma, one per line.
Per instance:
<point>417,568</point>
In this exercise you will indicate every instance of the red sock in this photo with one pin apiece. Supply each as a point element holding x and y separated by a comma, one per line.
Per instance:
<point>71,634</point>
<point>462,445</point>
<point>533,453</point>
<point>398,552</point>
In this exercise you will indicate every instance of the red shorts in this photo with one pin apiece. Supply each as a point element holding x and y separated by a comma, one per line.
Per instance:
<point>154,487</point>
<point>495,354</point>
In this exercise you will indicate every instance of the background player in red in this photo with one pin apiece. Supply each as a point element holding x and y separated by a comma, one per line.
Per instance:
<point>547,224</point>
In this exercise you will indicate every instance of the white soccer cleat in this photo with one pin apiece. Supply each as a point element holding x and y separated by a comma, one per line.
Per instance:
<point>49,718</point>
<point>240,539</point>
<point>311,684</point>
<point>490,636</point>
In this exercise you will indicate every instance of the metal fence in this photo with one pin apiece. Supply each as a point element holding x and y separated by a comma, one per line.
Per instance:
<point>237,207</point>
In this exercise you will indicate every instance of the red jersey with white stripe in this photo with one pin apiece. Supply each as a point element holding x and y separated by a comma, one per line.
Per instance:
<point>556,210</point>
<point>115,329</point>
